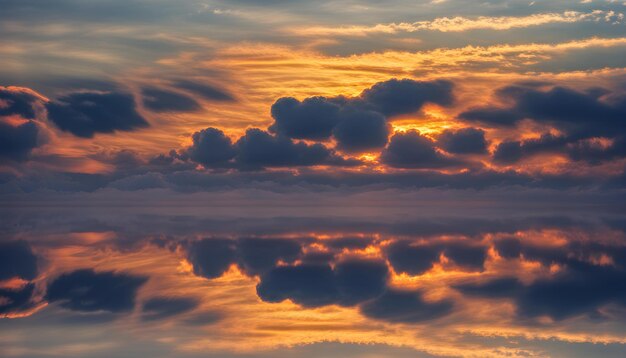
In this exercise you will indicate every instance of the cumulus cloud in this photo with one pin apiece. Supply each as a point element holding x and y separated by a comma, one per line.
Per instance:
<point>357,124</point>
<point>87,113</point>
<point>413,150</point>
<point>211,147</point>
<point>259,149</point>
<point>314,118</point>
<point>463,141</point>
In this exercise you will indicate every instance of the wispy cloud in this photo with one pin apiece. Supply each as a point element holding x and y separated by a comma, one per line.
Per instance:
<point>460,23</point>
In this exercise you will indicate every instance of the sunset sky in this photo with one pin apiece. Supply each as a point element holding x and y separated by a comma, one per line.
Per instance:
<point>358,178</point>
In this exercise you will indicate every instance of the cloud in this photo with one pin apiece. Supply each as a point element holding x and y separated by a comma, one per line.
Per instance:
<point>413,150</point>
<point>395,97</point>
<point>578,288</point>
<point>211,257</point>
<point>309,285</point>
<point>160,100</point>
<point>412,259</point>
<point>491,116</point>
<point>259,149</point>
<point>405,307</point>
<point>509,152</point>
<point>359,280</point>
<point>211,147</point>
<point>87,290</point>
<point>12,300</point>
<point>17,260</point>
<point>163,307</point>
<point>314,118</point>
<point>579,114</point>
<point>463,141</point>
<point>17,141</point>
<point>359,123</point>
<point>466,256</point>
<point>461,24</point>
<point>406,257</point>
<point>87,113</point>
<point>498,288</point>
<point>350,282</point>
<point>361,131</point>
<point>257,255</point>
<point>204,90</point>
<point>17,101</point>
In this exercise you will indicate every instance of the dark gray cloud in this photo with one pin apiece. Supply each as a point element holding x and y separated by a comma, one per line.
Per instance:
<point>87,113</point>
<point>204,90</point>
<point>463,141</point>
<point>314,118</point>
<point>361,131</point>
<point>579,115</point>
<point>211,147</point>
<point>358,124</point>
<point>87,290</point>
<point>160,100</point>
<point>395,97</point>
<point>405,307</point>
<point>258,149</point>
<point>413,150</point>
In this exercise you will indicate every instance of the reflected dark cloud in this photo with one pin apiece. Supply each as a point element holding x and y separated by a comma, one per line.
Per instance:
<point>17,101</point>
<point>412,259</point>
<point>17,260</point>
<point>12,300</point>
<point>310,285</point>
<point>87,113</point>
<point>405,307</point>
<point>348,283</point>
<point>212,257</point>
<point>258,255</point>
<point>163,307</point>
<point>87,290</point>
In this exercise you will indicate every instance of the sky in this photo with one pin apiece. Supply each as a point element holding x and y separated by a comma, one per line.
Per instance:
<point>333,178</point>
